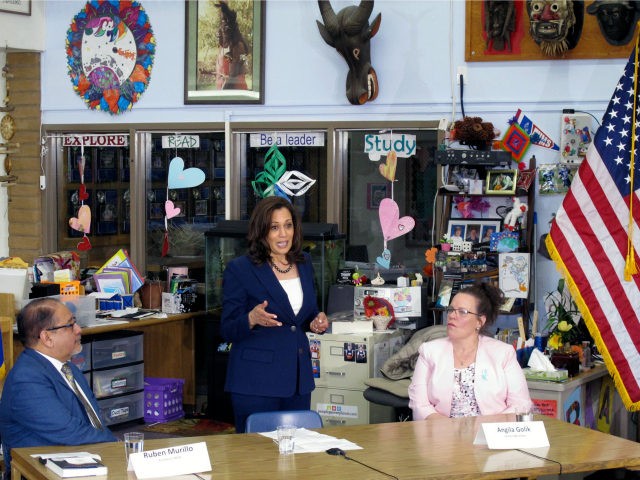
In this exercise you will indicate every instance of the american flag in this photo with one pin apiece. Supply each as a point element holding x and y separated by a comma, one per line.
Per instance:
<point>594,231</point>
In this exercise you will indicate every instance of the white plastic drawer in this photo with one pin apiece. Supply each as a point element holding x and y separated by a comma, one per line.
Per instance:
<point>122,409</point>
<point>118,381</point>
<point>117,349</point>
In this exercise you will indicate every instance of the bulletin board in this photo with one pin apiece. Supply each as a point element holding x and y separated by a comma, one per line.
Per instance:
<point>591,43</point>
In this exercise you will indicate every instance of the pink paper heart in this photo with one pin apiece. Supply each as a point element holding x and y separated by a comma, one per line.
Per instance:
<point>170,209</point>
<point>392,225</point>
<point>82,222</point>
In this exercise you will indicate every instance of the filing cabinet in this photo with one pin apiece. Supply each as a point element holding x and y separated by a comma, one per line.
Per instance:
<point>341,364</point>
<point>113,365</point>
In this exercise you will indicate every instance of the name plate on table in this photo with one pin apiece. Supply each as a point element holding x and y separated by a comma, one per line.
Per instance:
<point>511,435</point>
<point>171,461</point>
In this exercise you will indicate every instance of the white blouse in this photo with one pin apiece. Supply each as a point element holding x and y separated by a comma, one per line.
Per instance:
<point>293,289</point>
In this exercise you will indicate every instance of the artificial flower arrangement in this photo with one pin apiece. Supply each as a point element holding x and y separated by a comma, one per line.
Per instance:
<point>563,317</point>
<point>380,311</point>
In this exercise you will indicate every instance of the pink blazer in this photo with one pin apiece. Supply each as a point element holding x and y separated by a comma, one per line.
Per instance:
<point>500,386</point>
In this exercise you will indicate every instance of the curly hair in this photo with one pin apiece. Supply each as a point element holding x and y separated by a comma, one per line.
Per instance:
<point>259,225</point>
<point>489,299</point>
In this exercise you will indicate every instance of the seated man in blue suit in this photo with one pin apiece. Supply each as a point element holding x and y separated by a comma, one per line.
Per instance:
<point>39,405</point>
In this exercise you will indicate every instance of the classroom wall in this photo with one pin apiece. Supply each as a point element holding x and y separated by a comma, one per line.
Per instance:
<point>416,54</point>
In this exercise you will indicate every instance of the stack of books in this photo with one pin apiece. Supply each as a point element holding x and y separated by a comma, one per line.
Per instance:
<point>118,275</point>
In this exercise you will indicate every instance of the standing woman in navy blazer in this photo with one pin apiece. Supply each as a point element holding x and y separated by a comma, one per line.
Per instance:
<point>268,306</point>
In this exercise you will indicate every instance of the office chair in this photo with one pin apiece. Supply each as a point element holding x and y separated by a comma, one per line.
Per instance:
<point>269,421</point>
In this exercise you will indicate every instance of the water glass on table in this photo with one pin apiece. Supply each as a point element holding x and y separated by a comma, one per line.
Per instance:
<point>133,443</point>
<point>286,439</point>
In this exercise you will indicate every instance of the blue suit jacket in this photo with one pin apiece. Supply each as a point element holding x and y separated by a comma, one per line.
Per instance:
<point>39,408</point>
<point>267,361</point>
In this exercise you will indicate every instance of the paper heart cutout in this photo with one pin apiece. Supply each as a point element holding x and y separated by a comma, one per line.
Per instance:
<point>84,244</point>
<point>82,192</point>
<point>82,222</point>
<point>385,259</point>
<point>170,209</point>
<point>392,225</point>
<point>388,170</point>
<point>179,177</point>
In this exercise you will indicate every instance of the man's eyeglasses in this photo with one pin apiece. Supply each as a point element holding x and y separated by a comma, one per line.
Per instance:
<point>71,324</point>
<point>463,312</point>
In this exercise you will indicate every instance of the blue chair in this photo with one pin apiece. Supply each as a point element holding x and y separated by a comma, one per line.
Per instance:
<point>269,421</point>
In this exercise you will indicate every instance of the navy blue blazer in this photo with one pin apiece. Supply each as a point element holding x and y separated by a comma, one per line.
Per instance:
<point>39,408</point>
<point>267,361</point>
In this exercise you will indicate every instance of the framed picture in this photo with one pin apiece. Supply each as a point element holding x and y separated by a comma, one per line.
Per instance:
<point>375,193</point>
<point>473,230</point>
<point>501,181</point>
<point>224,52</point>
<point>22,7</point>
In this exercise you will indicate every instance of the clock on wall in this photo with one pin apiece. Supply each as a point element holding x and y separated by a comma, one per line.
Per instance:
<point>110,50</point>
<point>7,127</point>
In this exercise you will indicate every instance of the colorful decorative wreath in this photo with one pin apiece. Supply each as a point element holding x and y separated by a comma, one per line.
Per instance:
<point>110,49</point>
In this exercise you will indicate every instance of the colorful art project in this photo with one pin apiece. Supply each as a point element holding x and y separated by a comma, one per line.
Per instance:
<point>179,177</point>
<point>276,180</point>
<point>82,221</point>
<point>110,49</point>
<point>393,226</point>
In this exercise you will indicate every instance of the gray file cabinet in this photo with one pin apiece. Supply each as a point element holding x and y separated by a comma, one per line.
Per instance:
<point>341,364</point>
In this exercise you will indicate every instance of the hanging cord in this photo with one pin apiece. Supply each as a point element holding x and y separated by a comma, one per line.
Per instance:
<point>542,458</point>
<point>462,95</point>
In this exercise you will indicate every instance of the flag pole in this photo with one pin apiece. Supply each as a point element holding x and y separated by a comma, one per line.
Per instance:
<point>630,267</point>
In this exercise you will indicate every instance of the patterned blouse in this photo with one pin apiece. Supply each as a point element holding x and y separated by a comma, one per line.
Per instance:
<point>463,403</point>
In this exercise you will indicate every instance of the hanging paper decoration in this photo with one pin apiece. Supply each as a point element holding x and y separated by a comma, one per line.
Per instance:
<point>275,180</point>
<point>170,209</point>
<point>392,227</point>
<point>179,177</point>
<point>110,49</point>
<point>82,223</point>
<point>516,141</point>
<point>388,169</point>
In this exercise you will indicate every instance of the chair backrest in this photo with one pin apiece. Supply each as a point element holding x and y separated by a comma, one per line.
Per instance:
<point>269,421</point>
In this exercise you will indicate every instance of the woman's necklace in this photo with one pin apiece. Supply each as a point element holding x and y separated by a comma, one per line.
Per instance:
<point>281,270</point>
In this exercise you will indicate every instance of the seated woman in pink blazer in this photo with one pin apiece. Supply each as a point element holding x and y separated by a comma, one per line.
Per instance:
<point>468,373</point>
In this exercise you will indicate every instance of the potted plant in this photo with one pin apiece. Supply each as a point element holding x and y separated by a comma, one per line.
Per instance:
<point>563,317</point>
<point>445,242</point>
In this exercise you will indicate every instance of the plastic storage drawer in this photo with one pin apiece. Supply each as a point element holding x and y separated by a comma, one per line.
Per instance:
<point>122,409</point>
<point>82,360</point>
<point>117,348</point>
<point>118,381</point>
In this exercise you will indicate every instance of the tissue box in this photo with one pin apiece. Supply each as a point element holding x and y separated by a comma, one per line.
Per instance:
<point>558,376</point>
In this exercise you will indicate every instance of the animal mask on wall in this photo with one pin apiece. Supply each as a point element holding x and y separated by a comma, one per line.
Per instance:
<point>555,25</point>
<point>349,33</point>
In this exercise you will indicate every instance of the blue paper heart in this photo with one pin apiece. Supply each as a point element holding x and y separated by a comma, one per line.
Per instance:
<point>385,260</point>
<point>181,178</point>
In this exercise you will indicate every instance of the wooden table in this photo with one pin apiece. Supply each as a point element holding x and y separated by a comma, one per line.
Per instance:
<point>428,449</point>
<point>169,347</point>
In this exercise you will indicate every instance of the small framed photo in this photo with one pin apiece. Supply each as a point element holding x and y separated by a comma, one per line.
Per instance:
<point>201,207</point>
<point>473,230</point>
<point>156,210</point>
<point>375,193</point>
<point>181,206</point>
<point>501,181</point>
